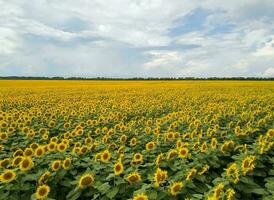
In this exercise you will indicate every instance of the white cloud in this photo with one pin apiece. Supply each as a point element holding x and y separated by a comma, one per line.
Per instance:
<point>9,41</point>
<point>269,72</point>
<point>162,58</point>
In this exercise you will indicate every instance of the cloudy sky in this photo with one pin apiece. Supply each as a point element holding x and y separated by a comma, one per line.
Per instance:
<point>128,38</point>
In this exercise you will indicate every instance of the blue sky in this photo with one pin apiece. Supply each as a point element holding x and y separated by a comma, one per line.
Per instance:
<point>129,38</point>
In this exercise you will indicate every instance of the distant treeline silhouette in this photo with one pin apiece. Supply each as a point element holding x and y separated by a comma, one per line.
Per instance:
<point>133,78</point>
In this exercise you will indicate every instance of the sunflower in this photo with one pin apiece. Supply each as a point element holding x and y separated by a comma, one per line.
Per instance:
<point>4,136</point>
<point>44,177</point>
<point>137,159</point>
<point>248,164</point>
<point>42,191</point>
<point>140,197</point>
<point>191,174</point>
<point>4,163</point>
<point>123,139</point>
<point>204,147</point>
<point>270,133</point>
<point>61,147</point>
<point>18,152</point>
<point>26,164</point>
<point>86,180</point>
<point>159,159</point>
<point>232,173</point>
<point>118,168</point>
<point>183,152</point>
<point>52,146</point>
<point>175,188</point>
<point>66,163</point>
<point>105,156</point>
<point>133,142</point>
<point>230,194</point>
<point>134,177</point>
<point>55,165</point>
<point>7,176</point>
<point>204,170</point>
<point>150,146</point>
<point>217,190</point>
<point>28,152</point>
<point>213,143</point>
<point>172,153</point>
<point>16,161</point>
<point>39,151</point>
<point>160,177</point>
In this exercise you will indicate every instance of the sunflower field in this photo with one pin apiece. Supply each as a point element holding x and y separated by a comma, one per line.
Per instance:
<point>139,140</point>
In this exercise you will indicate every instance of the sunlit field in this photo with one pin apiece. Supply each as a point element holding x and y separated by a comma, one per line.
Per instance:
<point>136,140</point>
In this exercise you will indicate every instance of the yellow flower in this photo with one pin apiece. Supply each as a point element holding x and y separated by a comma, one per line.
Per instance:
<point>183,152</point>
<point>66,163</point>
<point>86,180</point>
<point>140,197</point>
<point>175,188</point>
<point>204,147</point>
<point>204,170</point>
<point>61,147</point>
<point>160,177</point>
<point>171,154</point>
<point>214,143</point>
<point>118,168</point>
<point>217,190</point>
<point>4,163</point>
<point>133,142</point>
<point>7,176</point>
<point>26,164</point>
<point>42,191</point>
<point>232,173</point>
<point>43,178</point>
<point>134,177</point>
<point>159,159</point>
<point>105,156</point>
<point>230,194</point>
<point>52,146</point>
<point>55,165</point>
<point>16,161</point>
<point>191,174</point>
<point>39,151</point>
<point>150,145</point>
<point>248,164</point>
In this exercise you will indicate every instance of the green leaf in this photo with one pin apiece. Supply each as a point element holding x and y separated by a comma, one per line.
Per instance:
<point>153,195</point>
<point>104,188</point>
<point>112,193</point>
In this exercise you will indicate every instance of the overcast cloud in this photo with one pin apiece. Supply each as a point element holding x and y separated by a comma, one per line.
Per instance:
<point>128,38</point>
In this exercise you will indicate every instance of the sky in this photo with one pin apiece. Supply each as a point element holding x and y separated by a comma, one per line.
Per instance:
<point>137,38</point>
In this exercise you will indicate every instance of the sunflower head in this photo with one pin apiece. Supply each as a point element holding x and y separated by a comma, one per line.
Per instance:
<point>150,146</point>
<point>26,164</point>
<point>183,152</point>
<point>42,191</point>
<point>118,168</point>
<point>55,165</point>
<point>66,163</point>
<point>7,176</point>
<point>140,197</point>
<point>191,174</point>
<point>175,188</point>
<point>39,151</point>
<point>86,180</point>
<point>160,177</point>
<point>105,156</point>
<point>134,177</point>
